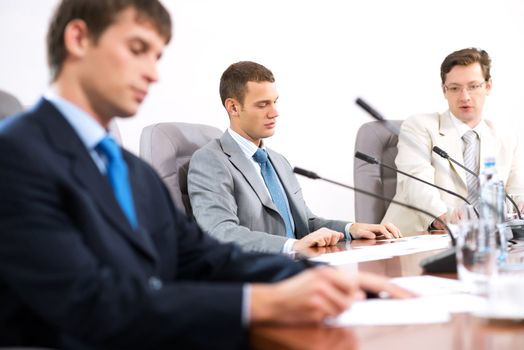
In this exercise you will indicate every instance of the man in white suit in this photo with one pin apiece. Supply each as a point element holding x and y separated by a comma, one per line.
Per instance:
<point>231,197</point>
<point>466,82</point>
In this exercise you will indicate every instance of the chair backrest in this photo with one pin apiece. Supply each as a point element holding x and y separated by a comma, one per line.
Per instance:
<point>376,140</point>
<point>168,147</point>
<point>9,105</point>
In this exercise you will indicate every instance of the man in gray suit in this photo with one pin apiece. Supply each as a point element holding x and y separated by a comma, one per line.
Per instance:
<point>242,192</point>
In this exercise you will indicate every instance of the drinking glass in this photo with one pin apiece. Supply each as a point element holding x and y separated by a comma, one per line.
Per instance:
<point>476,254</point>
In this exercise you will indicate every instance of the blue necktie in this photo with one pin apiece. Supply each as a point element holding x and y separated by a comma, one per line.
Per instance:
<point>275,190</point>
<point>118,177</point>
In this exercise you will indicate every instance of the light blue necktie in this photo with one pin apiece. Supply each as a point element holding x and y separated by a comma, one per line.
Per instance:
<point>275,190</point>
<point>118,177</point>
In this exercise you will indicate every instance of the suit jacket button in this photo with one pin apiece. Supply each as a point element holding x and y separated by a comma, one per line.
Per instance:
<point>155,283</point>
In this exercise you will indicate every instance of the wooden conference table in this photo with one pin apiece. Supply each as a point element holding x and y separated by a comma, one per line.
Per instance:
<point>463,332</point>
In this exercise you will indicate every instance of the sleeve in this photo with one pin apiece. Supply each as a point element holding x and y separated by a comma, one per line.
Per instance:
<point>515,181</point>
<point>48,266</point>
<point>414,157</point>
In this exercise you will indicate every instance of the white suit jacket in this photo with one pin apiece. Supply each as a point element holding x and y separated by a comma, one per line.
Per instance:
<point>417,137</point>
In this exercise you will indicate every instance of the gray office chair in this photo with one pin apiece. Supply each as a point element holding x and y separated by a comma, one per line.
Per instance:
<point>9,105</point>
<point>376,140</point>
<point>168,147</point>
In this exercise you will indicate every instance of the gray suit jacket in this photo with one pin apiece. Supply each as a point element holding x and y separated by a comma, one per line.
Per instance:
<point>232,204</point>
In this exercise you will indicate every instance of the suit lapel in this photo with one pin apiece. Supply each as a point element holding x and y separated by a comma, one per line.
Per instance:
<point>282,169</point>
<point>65,141</point>
<point>239,161</point>
<point>451,142</point>
<point>489,142</point>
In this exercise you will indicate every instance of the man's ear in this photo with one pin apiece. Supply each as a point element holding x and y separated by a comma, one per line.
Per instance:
<point>489,84</point>
<point>232,106</point>
<point>76,38</point>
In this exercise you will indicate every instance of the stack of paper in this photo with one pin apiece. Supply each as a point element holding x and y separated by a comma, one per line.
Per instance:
<point>386,249</point>
<point>438,299</point>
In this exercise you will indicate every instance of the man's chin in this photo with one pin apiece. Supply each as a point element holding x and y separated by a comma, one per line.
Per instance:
<point>467,117</point>
<point>127,112</point>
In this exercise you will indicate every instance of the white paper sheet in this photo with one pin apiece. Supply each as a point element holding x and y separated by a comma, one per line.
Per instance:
<point>398,247</point>
<point>439,298</point>
<point>350,256</point>
<point>430,285</point>
<point>378,312</point>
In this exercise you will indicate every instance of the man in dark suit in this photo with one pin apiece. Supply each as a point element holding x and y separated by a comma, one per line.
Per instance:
<point>90,262</point>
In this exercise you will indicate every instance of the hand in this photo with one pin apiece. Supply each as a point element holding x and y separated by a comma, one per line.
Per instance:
<point>316,251</point>
<point>382,286</point>
<point>372,231</point>
<point>319,238</point>
<point>438,224</point>
<point>313,295</point>
<point>307,298</point>
<point>520,205</point>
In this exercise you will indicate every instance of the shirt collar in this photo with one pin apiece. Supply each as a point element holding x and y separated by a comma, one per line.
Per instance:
<point>247,147</point>
<point>463,128</point>
<point>87,128</point>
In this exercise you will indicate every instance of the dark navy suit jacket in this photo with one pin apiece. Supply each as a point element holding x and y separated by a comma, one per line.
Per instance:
<point>74,274</point>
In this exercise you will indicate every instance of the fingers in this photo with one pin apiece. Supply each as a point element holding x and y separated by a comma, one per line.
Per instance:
<point>323,237</point>
<point>365,234</point>
<point>374,231</point>
<point>381,285</point>
<point>308,297</point>
<point>335,238</point>
<point>335,290</point>
<point>394,230</point>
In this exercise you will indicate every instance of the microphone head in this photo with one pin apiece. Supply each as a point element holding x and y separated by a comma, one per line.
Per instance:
<point>306,173</point>
<point>366,158</point>
<point>365,106</point>
<point>440,152</point>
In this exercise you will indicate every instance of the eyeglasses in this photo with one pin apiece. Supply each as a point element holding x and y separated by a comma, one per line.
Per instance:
<point>472,88</point>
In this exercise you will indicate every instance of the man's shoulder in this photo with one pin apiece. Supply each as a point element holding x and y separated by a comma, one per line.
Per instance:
<point>211,149</point>
<point>23,131</point>
<point>504,131</point>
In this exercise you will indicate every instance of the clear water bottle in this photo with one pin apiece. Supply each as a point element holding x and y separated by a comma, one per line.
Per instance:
<point>492,210</point>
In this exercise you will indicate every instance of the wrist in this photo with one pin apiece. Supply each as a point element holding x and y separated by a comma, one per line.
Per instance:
<point>298,246</point>
<point>262,302</point>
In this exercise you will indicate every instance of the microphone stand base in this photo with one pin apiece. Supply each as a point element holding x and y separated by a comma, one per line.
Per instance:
<point>443,262</point>
<point>517,227</point>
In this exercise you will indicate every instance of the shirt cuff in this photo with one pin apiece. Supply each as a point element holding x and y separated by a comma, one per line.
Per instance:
<point>346,231</point>
<point>288,246</point>
<point>246,305</point>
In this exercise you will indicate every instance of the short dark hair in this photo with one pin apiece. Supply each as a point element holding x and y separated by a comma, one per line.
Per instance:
<point>465,57</point>
<point>98,16</point>
<point>236,76</point>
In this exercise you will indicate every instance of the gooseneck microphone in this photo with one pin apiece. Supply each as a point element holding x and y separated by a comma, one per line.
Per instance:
<point>445,155</point>
<point>440,262</point>
<point>365,106</point>
<point>315,176</point>
<point>371,160</point>
<point>377,116</point>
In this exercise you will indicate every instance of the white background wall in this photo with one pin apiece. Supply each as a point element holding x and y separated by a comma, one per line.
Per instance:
<point>324,54</point>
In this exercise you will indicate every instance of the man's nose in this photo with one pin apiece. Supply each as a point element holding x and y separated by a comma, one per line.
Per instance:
<point>151,71</point>
<point>273,113</point>
<point>464,94</point>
